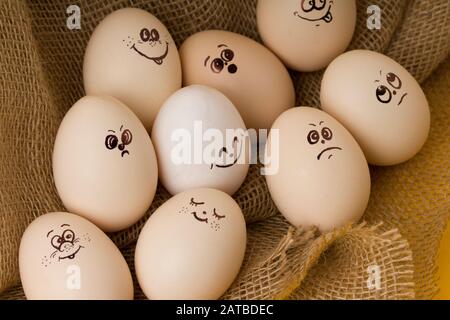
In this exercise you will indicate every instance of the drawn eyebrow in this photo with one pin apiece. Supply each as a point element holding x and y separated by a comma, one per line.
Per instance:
<point>206,60</point>
<point>222,45</point>
<point>320,123</point>
<point>121,127</point>
<point>380,73</point>
<point>65,225</point>
<point>49,233</point>
<point>312,124</point>
<point>377,80</point>
<point>111,131</point>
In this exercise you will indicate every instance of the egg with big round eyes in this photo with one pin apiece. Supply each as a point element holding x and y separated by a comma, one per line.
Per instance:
<point>306,34</point>
<point>64,256</point>
<point>380,103</point>
<point>132,57</point>
<point>318,175</point>
<point>251,76</point>
<point>201,141</point>
<point>104,163</point>
<point>192,247</point>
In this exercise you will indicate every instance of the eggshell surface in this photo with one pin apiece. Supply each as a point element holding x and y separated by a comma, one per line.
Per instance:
<point>132,57</point>
<point>380,103</point>
<point>63,256</point>
<point>306,35</point>
<point>200,141</point>
<point>321,177</point>
<point>104,163</point>
<point>251,76</point>
<point>192,247</point>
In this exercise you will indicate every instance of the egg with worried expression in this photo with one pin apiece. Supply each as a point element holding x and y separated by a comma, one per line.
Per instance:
<point>192,247</point>
<point>379,102</point>
<point>64,256</point>
<point>322,178</point>
<point>132,57</point>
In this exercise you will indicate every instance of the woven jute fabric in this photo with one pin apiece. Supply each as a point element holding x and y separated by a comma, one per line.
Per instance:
<point>41,77</point>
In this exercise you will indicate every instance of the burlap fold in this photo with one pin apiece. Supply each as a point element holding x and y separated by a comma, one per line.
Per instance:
<point>41,77</point>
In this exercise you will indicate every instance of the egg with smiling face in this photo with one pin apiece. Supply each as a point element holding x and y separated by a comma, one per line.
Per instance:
<point>380,103</point>
<point>132,57</point>
<point>321,177</point>
<point>306,34</point>
<point>251,76</point>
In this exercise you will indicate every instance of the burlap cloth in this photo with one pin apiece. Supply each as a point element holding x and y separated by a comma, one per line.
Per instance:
<point>41,77</point>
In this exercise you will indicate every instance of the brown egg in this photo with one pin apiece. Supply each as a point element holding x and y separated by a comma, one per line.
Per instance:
<point>306,34</point>
<point>132,57</point>
<point>318,175</point>
<point>64,256</point>
<point>251,76</point>
<point>379,102</point>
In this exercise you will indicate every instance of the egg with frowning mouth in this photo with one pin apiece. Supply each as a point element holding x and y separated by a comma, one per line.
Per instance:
<point>318,175</point>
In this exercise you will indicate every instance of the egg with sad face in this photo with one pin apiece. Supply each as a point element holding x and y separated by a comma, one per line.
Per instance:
<point>322,178</point>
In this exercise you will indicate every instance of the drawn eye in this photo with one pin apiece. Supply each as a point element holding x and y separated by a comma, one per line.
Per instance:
<point>227,55</point>
<point>217,65</point>
<point>384,95</point>
<point>56,242</point>
<point>68,235</point>
<point>111,141</point>
<point>193,203</point>
<point>218,216</point>
<point>144,34</point>
<point>327,134</point>
<point>313,137</point>
<point>308,5</point>
<point>154,35</point>
<point>126,137</point>
<point>393,80</point>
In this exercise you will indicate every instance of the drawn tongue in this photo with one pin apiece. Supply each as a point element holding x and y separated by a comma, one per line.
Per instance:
<point>158,61</point>
<point>328,18</point>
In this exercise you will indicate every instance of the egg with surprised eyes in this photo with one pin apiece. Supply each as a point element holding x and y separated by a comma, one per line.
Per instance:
<point>192,247</point>
<point>306,34</point>
<point>132,57</point>
<point>379,102</point>
<point>251,76</point>
<point>321,177</point>
<point>64,256</point>
<point>104,164</point>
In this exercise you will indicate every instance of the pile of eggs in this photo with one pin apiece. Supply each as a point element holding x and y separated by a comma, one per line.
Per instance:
<point>145,100</point>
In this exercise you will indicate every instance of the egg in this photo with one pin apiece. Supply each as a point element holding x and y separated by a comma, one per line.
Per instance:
<point>306,35</point>
<point>200,141</point>
<point>63,256</point>
<point>251,76</point>
<point>192,247</point>
<point>132,57</point>
<point>380,103</point>
<point>104,163</point>
<point>318,175</point>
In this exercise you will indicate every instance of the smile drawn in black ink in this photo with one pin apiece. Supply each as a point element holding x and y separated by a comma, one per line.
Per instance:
<point>325,135</point>
<point>151,38</point>
<point>386,92</point>
<point>224,150</point>
<point>194,213</point>
<point>225,59</point>
<point>112,142</point>
<point>66,245</point>
<point>158,60</point>
<point>311,6</point>
<point>210,218</point>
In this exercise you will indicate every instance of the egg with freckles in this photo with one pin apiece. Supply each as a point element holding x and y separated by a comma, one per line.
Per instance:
<point>104,164</point>
<point>251,76</point>
<point>63,256</point>
<point>380,103</point>
<point>132,57</point>
<point>306,34</point>
<point>318,175</point>
<point>192,247</point>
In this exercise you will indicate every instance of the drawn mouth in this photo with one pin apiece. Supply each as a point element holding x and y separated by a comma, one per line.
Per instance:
<point>198,218</point>
<point>158,60</point>
<point>328,17</point>
<point>229,164</point>
<point>71,256</point>
<point>401,99</point>
<point>327,149</point>
<point>124,152</point>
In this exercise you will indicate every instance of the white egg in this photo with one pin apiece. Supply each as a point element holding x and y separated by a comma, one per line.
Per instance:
<point>200,141</point>
<point>192,247</point>
<point>104,164</point>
